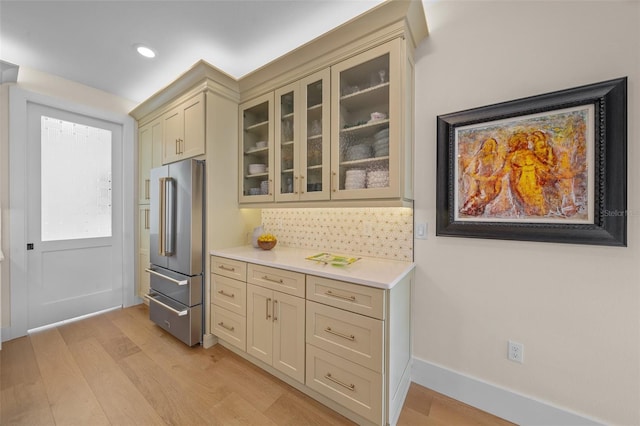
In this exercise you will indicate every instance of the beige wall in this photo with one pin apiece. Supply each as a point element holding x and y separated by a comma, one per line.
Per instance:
<point>55,87</point>
<point>575,308</point>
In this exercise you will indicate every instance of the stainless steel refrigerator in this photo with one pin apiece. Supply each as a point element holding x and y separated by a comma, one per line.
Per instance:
<point>177,249</point>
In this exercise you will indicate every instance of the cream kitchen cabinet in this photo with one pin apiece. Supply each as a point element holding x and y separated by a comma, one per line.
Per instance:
<point>302,139</point>
<point>343,134</point>
<point>275,318</point>
<point>184,130</point>
<point>229,301</point>
<point>256,150</point>
<point>143,249</point>
<point>149,156</point>
<point>371,146</point>
<point>275,331</point>
<point>342,342</point>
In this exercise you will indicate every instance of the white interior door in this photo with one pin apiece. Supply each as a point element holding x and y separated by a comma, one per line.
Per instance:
<point>74,215</point>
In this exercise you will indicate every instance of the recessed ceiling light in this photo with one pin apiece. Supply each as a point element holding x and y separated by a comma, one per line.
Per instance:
<point>145,51</point>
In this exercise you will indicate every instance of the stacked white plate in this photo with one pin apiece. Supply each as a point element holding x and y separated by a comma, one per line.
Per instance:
<point>377,178</point>
<point>381,143</point>
<point>358,152</point>
<point>355,179</point>
<point>257,168</point>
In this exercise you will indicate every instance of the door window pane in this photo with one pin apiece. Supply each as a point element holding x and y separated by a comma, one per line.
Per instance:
<point>76,180</point>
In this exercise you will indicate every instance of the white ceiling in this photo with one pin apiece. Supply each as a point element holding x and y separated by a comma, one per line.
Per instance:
<point>91,41</point>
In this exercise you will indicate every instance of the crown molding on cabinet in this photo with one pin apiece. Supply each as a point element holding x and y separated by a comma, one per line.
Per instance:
<point>393,18</point>
<point>201,76</point>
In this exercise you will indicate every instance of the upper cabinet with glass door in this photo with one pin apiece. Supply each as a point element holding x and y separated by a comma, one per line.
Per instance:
<point>302,139</point>
<point>367,124</point>
<point>256,150</point>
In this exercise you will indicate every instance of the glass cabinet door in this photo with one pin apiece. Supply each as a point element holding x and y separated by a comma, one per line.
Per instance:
<point>256,166</point>
<point>366,128</point>
<point>315,137</point>
<point>302,139</point>
<point>287,137</point>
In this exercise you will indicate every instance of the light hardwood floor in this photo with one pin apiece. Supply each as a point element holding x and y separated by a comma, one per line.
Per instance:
<point>119,368</point>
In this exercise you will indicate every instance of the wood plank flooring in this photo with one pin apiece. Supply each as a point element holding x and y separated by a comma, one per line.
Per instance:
<point>118,368</point>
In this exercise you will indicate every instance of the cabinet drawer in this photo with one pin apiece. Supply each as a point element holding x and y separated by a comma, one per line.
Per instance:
<point>276,279</point>
<point>229,268</point>
<point>352,336</point>
<point>229,294</point>
<point>356,298</point>
<point>229,326</point>
<point>351,385</point>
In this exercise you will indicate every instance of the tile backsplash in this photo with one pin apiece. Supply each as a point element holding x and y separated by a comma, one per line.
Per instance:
<point>375,232</point>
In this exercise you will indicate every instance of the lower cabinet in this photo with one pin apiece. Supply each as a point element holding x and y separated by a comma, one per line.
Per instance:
<point>275,332</point>
<point>341,342</point>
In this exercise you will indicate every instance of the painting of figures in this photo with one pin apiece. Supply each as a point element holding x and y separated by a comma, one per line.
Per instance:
<point>535,168</point>
<point>548,168</point>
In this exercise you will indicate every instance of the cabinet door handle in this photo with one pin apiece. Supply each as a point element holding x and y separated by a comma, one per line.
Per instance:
<point>270,180</point>
<point>222,292</point>
<point>339,296</point>
<point>223,325</point>
<point>181,146</point>
<point>295,185</point>
<point>267,308</point>
<point>275,304</point>
<point>302,184</point>
<point>177,146</point>
<point>224,268</point>
<point>273,280</point>
<point>147,182</point>
<point>146,218</point>
<point>351,386</point>
<point>333,181</point>
<point>337,333</point>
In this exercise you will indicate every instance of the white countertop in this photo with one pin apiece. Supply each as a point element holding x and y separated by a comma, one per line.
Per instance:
<point>369,271</point>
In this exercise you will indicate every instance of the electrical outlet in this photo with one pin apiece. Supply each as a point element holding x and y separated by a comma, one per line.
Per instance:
<point>515,351</point>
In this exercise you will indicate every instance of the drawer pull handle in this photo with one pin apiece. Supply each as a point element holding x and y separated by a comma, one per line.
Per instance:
<point>339,296</point>
<point>222,324</point>
<point>337,333</point>
<point>351,387</point>
<point>226,294</point>
<point>273,280</point>
<point>224,268</point>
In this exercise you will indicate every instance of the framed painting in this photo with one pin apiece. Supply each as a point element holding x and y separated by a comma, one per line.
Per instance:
<point>547,168</point>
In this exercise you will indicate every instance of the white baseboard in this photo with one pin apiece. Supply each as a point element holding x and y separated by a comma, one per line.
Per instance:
<point>493,399</point>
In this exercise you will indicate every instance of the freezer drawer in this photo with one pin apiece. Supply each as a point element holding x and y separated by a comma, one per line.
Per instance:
<point>182,288</point>
<point>184,322</point>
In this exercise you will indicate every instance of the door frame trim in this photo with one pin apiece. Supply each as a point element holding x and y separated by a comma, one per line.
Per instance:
<point>18,131</point>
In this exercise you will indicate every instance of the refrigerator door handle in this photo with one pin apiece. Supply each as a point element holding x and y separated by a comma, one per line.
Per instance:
<point>173,280</point>
<point>169,219</point>
<point>165,212</point>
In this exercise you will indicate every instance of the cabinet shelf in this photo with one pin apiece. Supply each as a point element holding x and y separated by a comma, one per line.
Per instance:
<point>287,143</point>
<point>314,107</point>
<point>364,161</point>
<point>257,175</point>
<point>370,125</point>
<point>366,98</point>
<point>256,125</point>
<point>257,151</point>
